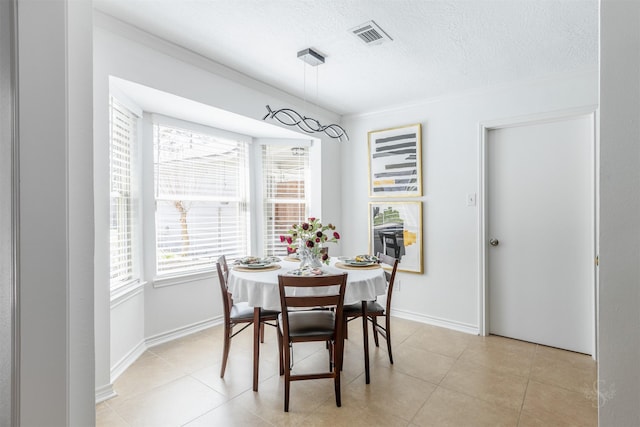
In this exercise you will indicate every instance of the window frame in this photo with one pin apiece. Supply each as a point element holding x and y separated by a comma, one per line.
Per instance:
<point>261,192</point>
<point>135,192</point>
<point>171,277</point>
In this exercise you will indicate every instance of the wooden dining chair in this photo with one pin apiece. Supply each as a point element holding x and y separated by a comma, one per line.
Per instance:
<point>375,309</point>
<point>303,320</point>
<point>236,314</point>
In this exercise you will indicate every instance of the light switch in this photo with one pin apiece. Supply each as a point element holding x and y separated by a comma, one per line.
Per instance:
<point>471,199</point>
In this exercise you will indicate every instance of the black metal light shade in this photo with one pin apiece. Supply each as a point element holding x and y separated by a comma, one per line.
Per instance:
<point>290,117</point>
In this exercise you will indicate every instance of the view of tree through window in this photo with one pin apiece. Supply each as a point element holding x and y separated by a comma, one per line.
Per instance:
<point>201,183</point>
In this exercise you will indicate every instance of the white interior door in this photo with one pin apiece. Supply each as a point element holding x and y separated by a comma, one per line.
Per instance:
<point>540,232</point>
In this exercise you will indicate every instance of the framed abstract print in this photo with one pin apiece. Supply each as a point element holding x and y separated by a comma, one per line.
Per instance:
<point>395,229</point>
<point>395,162</point>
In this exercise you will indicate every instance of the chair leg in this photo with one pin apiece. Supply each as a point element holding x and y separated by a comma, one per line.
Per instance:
<point>280,352</point>
<point>337,354</point>
<point>337,387</point>
<point>287,376</point>
<point>225,349</point>
<point>261,332</point>
<point>374,321</point>
<point>388,337</point>
<point>346,329</point>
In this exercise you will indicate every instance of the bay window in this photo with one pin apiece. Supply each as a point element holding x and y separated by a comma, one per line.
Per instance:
<point>214,192</point>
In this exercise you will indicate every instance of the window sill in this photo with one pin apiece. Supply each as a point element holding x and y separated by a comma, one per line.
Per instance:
<point>126,292</point>
<point>161,282</point>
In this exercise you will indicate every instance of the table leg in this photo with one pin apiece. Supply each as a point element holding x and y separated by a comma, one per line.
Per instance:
<point>256,346</point>
<point>365,339</point>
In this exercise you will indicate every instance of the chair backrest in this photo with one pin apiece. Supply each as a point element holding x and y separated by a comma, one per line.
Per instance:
<point>391,276</point>
<point>311,292</point>
<point>223,278</point>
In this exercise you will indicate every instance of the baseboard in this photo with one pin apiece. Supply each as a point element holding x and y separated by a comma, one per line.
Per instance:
<point>127,360</point>
<point>182,332</point>
<point>435,321</point>
<point>105,392</point>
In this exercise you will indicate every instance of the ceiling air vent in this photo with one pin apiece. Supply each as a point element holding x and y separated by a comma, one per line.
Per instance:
<point>370,33</point>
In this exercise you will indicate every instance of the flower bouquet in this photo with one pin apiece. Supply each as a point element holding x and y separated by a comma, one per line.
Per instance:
<point>308,239</point>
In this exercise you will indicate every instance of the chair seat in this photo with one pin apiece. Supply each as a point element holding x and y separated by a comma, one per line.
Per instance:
<point>243,311</point>
<point>313,323</point>
<point>373,307</point>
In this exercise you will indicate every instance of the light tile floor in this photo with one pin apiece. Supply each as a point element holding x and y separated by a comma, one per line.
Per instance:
<point>440,378</point>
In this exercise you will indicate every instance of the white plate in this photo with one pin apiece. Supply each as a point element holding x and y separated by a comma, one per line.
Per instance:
<point>355,263</point>
<point>256,265</point>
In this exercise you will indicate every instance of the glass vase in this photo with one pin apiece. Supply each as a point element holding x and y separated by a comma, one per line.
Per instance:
<point>308,259</point>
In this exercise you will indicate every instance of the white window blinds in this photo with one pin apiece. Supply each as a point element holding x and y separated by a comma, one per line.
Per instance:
<point>285,177</point>
<point>123,143</point>
<point>201,186</point>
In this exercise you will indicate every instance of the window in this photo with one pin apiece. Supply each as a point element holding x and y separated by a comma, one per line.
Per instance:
<point>285,172</point>
<point>201,187</point>
<point>123,145</point>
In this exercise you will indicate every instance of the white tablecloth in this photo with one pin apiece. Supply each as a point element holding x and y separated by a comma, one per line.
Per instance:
<point>260,288</point>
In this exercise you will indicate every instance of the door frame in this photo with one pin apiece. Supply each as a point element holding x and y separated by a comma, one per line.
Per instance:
<point>9,217</point>
<point>484,128</point>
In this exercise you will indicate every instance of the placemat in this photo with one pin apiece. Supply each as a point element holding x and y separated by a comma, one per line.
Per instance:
<point>257,270</point>
<point>291,259</point>
<point>353,267</point>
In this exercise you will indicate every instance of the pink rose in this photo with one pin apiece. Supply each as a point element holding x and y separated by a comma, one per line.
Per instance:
<point>336,234</point>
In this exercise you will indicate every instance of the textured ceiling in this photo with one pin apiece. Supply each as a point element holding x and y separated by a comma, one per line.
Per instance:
<point>438,47</point>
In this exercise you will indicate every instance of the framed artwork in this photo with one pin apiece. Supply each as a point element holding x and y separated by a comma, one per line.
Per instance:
<point>395,162</point>
<point>395,228</point>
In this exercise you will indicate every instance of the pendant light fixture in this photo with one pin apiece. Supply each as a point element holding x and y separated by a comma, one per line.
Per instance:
<point>290,117</point>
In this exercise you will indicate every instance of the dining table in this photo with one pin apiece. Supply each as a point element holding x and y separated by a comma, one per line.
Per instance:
<point>259,288</point>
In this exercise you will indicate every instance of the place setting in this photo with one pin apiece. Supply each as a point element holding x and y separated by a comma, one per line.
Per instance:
<point>255,264</point>
<point>306,271</point>
<point>358,262</point>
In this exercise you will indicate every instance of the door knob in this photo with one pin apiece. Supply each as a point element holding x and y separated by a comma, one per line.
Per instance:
<point>494,242</point>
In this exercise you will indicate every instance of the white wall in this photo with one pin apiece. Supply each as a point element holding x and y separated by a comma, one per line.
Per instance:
<point>56,212</point>
<point>448,291</point>
<point>129,54</point>
<point>619,294</point>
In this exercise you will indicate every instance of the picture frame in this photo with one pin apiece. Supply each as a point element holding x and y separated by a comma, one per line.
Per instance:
<point>395,228</point>
<point>395,162</point>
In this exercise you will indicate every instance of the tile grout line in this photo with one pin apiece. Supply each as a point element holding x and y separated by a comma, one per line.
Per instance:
<point>526,389</point>
<point>438,385</point>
